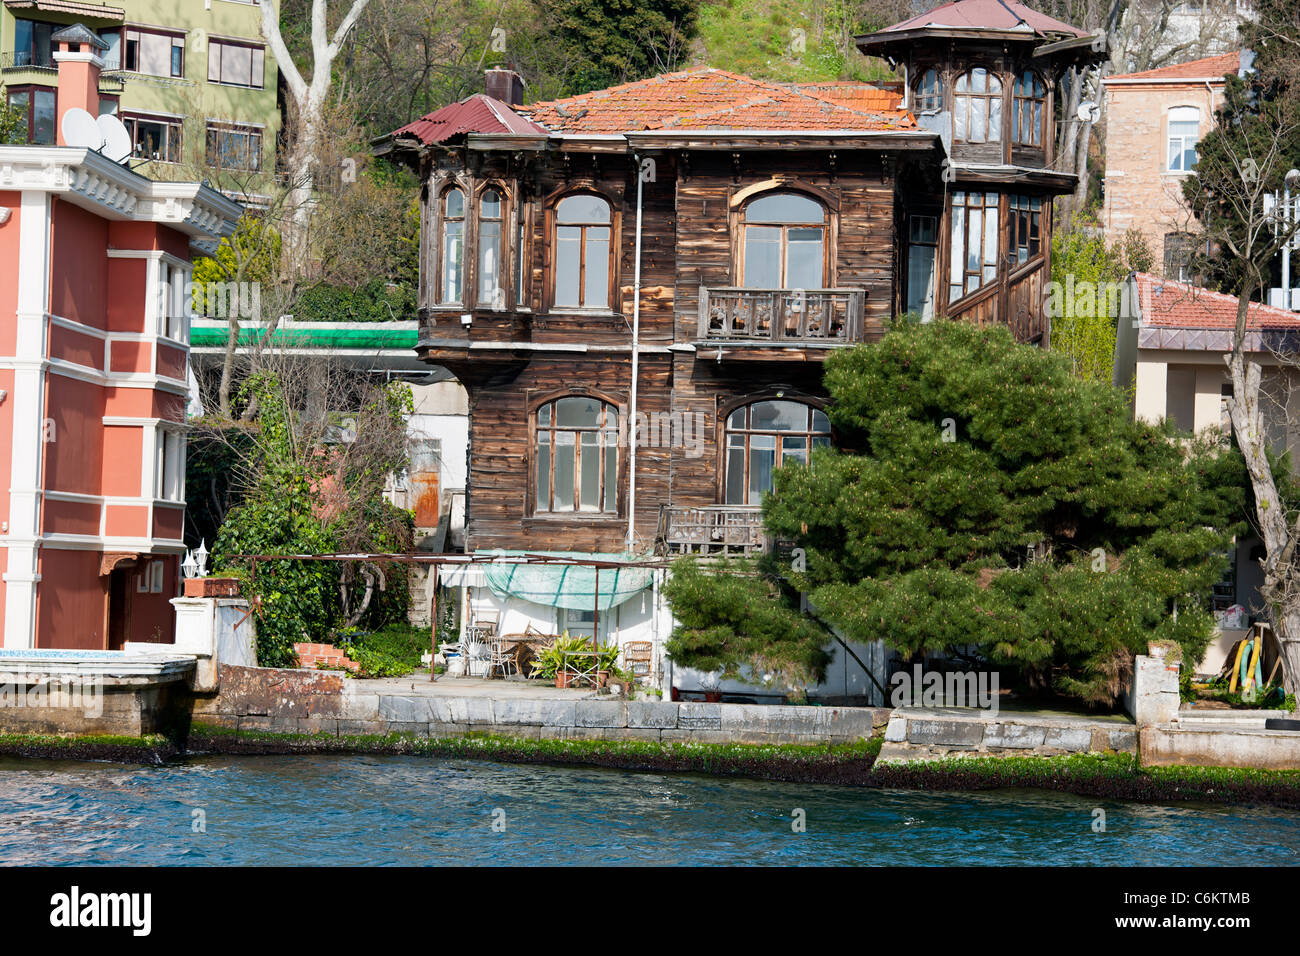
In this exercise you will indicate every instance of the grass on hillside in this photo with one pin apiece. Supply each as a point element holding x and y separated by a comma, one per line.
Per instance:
<point>758,38</point>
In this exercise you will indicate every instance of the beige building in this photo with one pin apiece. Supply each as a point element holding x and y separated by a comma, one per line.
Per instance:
<point>1171,342</point>
<point>1154,121</point>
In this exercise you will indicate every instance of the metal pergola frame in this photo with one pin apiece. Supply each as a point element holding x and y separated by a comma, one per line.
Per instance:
<point>438,560</point>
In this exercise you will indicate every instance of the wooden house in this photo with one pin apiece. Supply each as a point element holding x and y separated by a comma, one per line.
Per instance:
<point>638,286</point>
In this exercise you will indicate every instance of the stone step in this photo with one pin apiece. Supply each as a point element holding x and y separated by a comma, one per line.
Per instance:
<point>1240,719</point>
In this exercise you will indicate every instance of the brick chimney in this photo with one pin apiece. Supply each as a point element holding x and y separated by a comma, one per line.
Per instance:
<point>77,53</point>
<point>506,86</point>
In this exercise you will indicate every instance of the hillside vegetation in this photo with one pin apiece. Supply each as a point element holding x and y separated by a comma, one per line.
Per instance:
<point>788,40</point>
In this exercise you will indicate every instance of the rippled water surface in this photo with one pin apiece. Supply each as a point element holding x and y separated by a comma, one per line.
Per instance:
<point>405,810</point>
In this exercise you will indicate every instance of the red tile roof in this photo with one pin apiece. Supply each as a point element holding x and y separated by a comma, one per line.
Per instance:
<point>856,96</point>
<point>1177,305</point>
<point>987,15</point>
<point>1211,67</point>
<point>474,114</point>
<point>708,99</point>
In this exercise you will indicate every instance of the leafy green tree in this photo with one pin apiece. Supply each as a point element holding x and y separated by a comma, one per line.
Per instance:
<point>983,498</point>
<point>620,40</point>
<point>1083,324</point>
<point>308,491</point>
<point>13,125</point>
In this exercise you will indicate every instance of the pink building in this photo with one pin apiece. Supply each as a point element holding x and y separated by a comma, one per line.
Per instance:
<point>93,359</point>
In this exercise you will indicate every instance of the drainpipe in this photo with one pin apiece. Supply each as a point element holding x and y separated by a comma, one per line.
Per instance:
<point>636,356</point>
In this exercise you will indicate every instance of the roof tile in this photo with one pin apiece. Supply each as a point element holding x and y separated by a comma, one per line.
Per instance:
<point>707,98</point>
<point>1177,305</point>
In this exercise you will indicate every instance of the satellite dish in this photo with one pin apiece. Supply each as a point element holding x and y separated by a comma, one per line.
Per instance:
<point>1089,112</point>
<point>80,129</point>
<point>117,141</point>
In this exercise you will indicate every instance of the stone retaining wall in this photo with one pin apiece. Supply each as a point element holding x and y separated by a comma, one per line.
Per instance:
<point>1217,747</point>
<point>302,702</point>
<point>918,734</point>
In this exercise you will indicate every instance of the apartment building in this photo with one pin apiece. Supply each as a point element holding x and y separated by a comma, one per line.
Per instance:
<point>193,81</point>
<point>94,348</point>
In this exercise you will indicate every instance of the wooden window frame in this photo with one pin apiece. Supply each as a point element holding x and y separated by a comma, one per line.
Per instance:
<point>985,260</point>
<point>1018,203</point>
<point>739,204</point>
<point>138,30</point>
<point>933,100</point>
<point>987,98</point>
<point>536,401</point>
<point>440,243</point>
<point>506,220</point>
<point>613,304</point>
<point>213,127</point>
<point>725,411</point>
<point>1021,102</point>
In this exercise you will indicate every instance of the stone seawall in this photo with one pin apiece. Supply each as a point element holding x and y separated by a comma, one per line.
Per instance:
<point>303,702</point>
<point>934,733</point>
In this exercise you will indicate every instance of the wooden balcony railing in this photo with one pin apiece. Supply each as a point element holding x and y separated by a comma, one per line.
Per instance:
<point>714,531</point>
<point>782,316</point>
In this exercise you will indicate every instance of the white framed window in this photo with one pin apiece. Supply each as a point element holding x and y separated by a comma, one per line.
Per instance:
<point>173,305</point>
<point>1184,134</point>
<point>169,464</point>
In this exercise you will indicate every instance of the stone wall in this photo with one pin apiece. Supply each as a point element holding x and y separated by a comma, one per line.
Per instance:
<point>920,734</point>
<point>291,701</point>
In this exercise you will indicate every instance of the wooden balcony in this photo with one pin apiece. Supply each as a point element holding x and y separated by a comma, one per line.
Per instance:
<point>714,531</point>
<point>789,317</point>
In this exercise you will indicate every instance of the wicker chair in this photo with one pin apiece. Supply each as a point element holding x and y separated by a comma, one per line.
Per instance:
<point>638,657</point>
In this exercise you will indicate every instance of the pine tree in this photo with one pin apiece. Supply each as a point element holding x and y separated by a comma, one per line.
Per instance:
<point>982,498</point>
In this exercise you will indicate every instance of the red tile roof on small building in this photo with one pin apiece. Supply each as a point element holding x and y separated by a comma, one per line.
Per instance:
<point>1210,67</point>
<point>474,114</point>
<point>711,99</point>
<point>1178,305</point>
<point>986,15</point>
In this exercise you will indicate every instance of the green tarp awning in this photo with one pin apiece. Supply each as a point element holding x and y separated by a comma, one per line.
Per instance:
<point>570,586</point>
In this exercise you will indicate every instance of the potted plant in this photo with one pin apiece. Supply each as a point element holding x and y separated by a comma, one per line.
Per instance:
<point>711,684</point>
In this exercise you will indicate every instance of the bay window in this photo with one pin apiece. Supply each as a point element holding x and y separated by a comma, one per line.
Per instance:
<point>1027,109</point>
<point>491,292</point>
<point>451,278</point>
<point>973,243</point>
<point>977,107</point>
<point>929,92</point>
<point>1025,215</point>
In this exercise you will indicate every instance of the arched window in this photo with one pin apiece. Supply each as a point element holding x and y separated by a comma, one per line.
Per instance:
<point>452,269</point>
<point>582,252</point>
<point>929,92</point>
<point>491,293</point>
<point>576,466</point>
<point>784,240</point>
<point>1027,109</point>
<point>977,107</point>
<point>1184,134</point>
<point>762,437</point>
